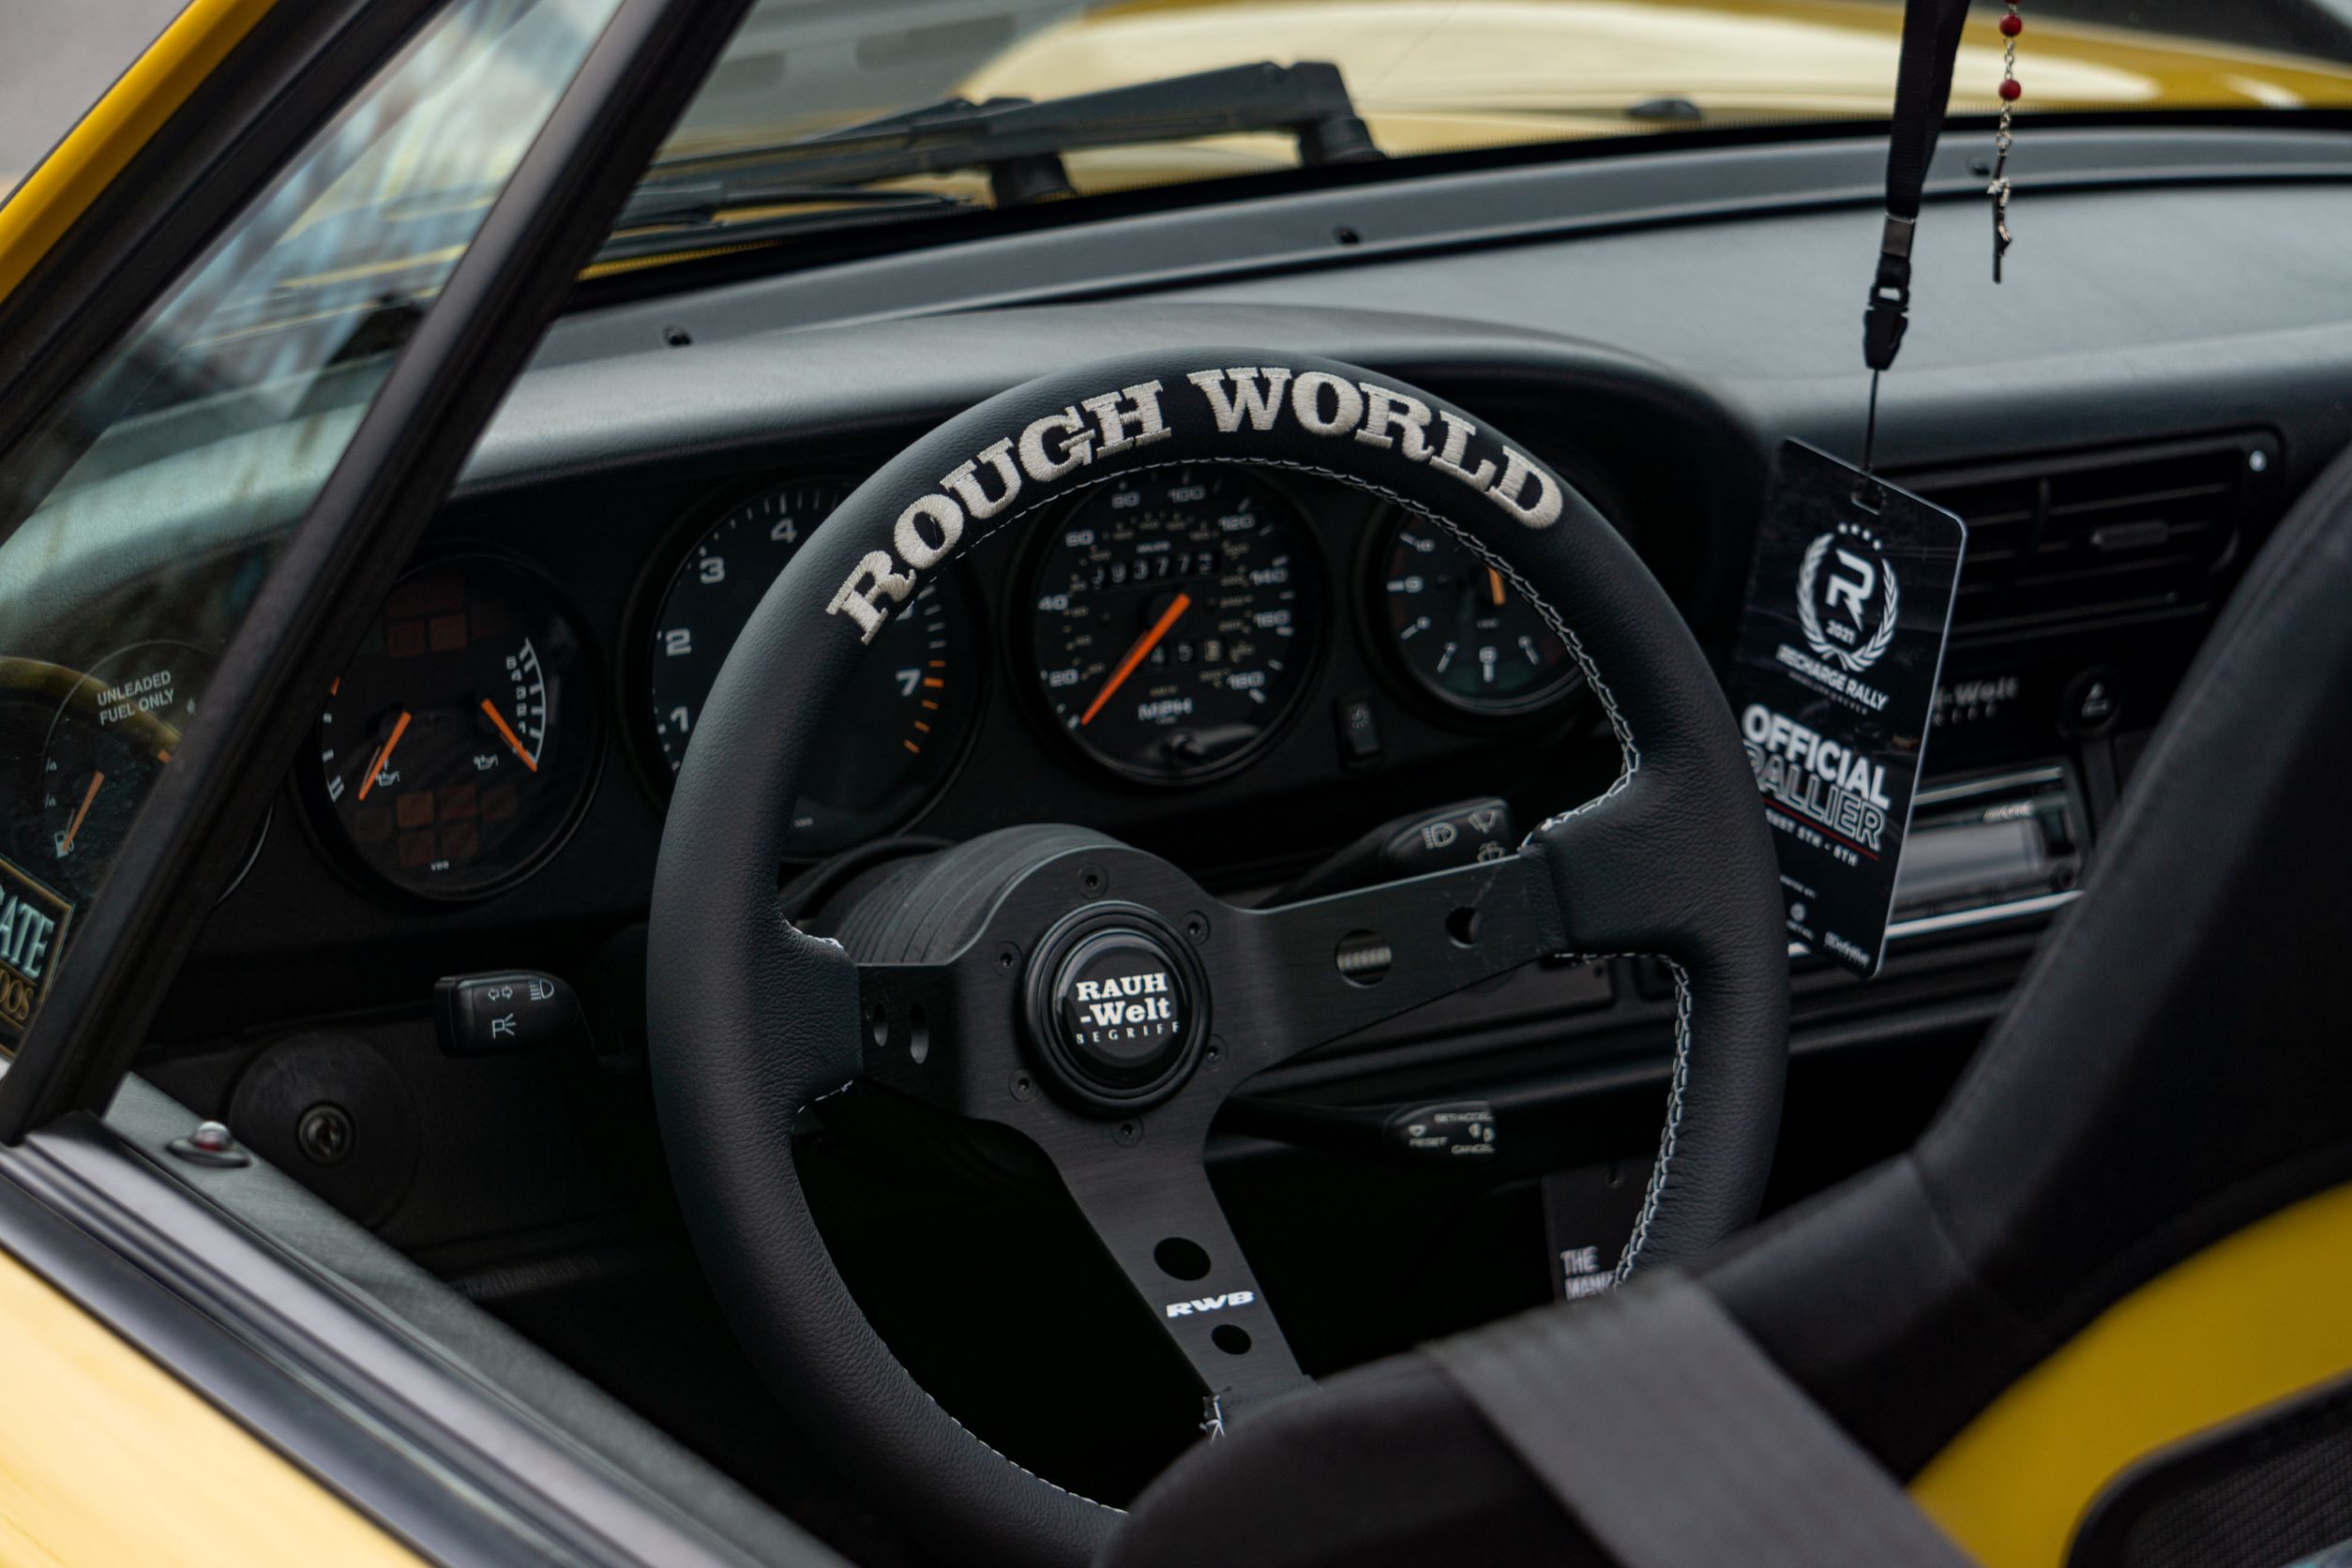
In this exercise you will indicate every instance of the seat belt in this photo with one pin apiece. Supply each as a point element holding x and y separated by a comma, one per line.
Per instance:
<point>1653,1418</point>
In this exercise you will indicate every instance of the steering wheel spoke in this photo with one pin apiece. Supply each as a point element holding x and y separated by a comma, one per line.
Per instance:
<point>1291,978</point>
<point>921,1027</point>
<point>1151,1205</point>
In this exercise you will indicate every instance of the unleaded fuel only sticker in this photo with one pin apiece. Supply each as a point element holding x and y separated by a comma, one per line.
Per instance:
<point>1833,682</point>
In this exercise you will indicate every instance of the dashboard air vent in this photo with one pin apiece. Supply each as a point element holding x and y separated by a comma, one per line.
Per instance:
<point>2125,534</point>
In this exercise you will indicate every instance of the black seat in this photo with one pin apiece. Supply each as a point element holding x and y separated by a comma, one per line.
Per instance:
<point>2176,1065</point>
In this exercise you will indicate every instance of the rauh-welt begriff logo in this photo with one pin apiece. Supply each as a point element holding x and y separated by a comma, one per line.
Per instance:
<point>1124,1007</point>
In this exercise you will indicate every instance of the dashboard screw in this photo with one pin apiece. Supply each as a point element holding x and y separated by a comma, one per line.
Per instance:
<point>1024,1087</point>
<point>1128,1134</point>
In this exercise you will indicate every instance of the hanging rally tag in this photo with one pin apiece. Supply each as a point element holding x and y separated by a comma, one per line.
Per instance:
<point>1840,642</point>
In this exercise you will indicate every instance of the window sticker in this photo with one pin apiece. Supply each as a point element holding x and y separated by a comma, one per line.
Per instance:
<point>33,920</point>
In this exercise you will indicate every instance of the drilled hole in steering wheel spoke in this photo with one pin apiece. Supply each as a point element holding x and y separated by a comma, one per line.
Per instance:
<point>1231,1338</point>
<point>1180,1258</point>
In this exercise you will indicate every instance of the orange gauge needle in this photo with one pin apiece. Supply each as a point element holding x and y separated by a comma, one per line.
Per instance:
<point>1494,584</point>
<point>66,844</point>
<point>512,739</point>
<point>383,758</point>
<point>1136,655</point>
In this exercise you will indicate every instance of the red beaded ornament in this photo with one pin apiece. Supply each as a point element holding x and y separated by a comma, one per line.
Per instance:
<point>2011,92</point>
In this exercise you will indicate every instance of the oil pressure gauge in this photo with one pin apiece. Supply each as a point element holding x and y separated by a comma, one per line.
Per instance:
<point>457,749</point>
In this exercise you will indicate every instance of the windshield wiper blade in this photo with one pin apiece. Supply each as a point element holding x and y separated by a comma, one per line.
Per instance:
<point>702,202</point>
<point>680,232</point>
<point>1018,141</point>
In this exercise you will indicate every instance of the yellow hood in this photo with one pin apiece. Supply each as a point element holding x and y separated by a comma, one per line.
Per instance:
<point>1432,76</point>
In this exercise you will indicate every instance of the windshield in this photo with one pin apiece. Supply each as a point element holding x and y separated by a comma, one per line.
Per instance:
<point>765,140</point>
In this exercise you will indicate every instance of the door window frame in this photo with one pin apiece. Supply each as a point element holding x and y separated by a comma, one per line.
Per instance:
<point>365,522</point>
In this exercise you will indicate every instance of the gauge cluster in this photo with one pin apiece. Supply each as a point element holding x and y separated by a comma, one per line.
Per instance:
<point>1169,633</point>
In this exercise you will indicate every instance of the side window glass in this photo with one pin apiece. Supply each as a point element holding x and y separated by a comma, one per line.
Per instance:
<point>140,520</point>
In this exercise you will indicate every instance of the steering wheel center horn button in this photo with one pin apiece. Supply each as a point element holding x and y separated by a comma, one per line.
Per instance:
<point>1119,1008</point>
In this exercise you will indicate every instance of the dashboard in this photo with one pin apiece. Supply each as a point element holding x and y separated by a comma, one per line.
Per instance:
<point>1239,673</point>
<point>1246,675</point>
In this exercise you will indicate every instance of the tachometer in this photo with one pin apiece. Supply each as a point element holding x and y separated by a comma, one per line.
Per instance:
<point>1462,632</point>
<point>914,695</point>
<point>457,749</point>
<point>1176,616</point>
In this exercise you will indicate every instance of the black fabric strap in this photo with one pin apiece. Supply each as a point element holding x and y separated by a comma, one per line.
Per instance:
<point>1922,92</point>
<point>1658,1424</point>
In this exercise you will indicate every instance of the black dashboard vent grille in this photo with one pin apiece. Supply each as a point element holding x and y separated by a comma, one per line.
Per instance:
<point>2124,534</point>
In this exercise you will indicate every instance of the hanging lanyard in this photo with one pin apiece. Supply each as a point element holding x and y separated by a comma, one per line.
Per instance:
<point>1923,90</point>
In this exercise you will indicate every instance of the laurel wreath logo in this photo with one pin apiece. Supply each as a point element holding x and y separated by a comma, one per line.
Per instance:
<point>1853,661</point>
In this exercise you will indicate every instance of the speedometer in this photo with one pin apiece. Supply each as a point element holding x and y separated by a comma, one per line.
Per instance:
<point>1176,616</point>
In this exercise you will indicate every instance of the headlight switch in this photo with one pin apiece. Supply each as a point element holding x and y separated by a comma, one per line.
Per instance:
<point>488,1015</point>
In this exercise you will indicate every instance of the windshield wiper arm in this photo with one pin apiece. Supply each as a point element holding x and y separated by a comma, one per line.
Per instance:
<point>1018,141</point>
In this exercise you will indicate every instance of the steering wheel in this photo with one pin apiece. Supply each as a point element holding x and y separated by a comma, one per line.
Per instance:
<point>1097,1000</point>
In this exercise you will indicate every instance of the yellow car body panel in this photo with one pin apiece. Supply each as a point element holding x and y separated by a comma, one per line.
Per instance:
<point>1436,77</point>
<point>106,138</point>
<point>107,1459</point>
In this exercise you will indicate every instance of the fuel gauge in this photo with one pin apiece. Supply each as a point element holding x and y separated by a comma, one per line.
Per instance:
<point>457,749</point>
<point>110,741</point>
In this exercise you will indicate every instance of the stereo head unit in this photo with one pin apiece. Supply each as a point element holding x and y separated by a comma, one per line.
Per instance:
<point>1990,848</point>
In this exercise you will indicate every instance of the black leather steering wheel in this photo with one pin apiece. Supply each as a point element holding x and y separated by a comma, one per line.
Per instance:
<point>972,979</point>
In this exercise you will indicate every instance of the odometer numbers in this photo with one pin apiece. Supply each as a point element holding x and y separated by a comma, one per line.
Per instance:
<point>1176,616</point>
